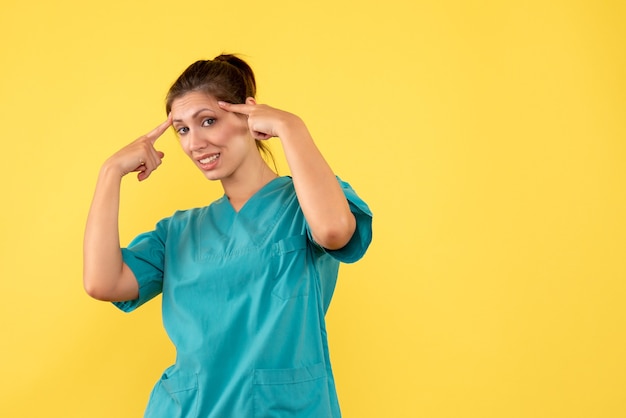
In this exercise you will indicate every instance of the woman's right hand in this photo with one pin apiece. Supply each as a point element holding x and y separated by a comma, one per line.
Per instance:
<point>105,275</point>
<point>140,155</point>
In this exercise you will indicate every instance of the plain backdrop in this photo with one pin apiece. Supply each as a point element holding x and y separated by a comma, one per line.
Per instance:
<point>488,137</point>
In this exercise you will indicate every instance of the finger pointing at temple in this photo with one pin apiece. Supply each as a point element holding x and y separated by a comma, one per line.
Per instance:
<point>243,109</point>
<point>156,133</point>
<point>262,119</point>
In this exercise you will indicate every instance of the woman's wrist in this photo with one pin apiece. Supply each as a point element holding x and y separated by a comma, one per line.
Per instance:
<point>292,126</point>
<point>110,170</point>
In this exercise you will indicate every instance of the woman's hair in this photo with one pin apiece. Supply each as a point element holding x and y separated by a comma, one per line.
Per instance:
<point>226,77</point>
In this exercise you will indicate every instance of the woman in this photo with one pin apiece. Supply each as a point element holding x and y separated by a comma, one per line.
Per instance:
<point>247,280</point>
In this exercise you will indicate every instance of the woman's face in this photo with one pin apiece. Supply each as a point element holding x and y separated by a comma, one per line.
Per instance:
<point>217,141</point>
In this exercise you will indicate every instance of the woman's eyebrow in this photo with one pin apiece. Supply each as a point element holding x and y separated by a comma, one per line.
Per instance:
<point>196,113</point>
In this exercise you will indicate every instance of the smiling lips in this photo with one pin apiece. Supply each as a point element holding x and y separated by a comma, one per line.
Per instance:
<point>209,159</point>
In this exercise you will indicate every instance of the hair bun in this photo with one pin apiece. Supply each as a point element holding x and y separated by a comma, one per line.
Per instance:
<point>226,77</point>
<point>242,66</point>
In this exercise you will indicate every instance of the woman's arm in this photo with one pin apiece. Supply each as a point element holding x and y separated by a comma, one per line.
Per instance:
<point>105,276</point>
<point>323,203</point>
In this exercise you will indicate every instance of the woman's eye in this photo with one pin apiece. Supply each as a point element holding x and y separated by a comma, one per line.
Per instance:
<point>182,131</point>
<point>208,122</point>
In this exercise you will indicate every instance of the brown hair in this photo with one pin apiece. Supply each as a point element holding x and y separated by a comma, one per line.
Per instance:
<point>226,77</point>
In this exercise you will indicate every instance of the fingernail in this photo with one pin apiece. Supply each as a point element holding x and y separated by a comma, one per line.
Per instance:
<point>221,103</point>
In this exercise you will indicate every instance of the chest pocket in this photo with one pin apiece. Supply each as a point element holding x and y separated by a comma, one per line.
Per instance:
<point>292,268</point>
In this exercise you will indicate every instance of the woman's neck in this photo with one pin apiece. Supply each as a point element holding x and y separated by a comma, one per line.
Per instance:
<point>242,187</point>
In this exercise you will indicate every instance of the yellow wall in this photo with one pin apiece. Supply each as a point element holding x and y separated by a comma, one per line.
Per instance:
<point>489,138</point>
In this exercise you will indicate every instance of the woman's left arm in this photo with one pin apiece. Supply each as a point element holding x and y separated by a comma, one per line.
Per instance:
<point>321,198</point>
<point>323,202</point>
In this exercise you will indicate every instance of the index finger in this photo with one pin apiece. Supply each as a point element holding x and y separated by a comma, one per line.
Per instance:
<point>243,108</point>
<point>154,134</point>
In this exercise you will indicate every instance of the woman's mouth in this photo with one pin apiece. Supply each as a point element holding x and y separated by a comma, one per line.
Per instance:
<point>210,161</point>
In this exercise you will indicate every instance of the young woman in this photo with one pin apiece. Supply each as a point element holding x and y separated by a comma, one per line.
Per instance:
<point>247,280</point>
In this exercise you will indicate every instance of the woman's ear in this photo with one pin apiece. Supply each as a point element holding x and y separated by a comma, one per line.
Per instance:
<point>250,100</point>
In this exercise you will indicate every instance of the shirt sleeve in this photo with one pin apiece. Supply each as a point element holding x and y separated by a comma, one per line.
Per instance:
<point>145,256</point>
<point>355,249</point>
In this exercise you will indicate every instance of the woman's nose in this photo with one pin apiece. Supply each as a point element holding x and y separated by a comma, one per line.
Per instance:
<point>196,140</point>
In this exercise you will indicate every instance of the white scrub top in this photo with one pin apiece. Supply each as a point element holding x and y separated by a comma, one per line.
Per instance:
<point>244,299</point>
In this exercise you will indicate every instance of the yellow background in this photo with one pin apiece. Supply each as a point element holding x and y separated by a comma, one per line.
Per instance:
<point>488,137</point>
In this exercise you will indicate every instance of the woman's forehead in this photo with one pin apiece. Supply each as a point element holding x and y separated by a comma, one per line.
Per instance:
<point>189,103</point>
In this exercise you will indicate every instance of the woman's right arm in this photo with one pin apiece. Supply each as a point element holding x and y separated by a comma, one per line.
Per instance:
<point>105,275</point>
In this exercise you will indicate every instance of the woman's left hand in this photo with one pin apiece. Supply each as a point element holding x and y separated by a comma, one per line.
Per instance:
<point>264,121</point>
<point>321,198</point>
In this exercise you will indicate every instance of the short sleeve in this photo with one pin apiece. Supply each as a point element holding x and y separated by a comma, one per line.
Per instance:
<point>355,249</point>
<point>145,256</point>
